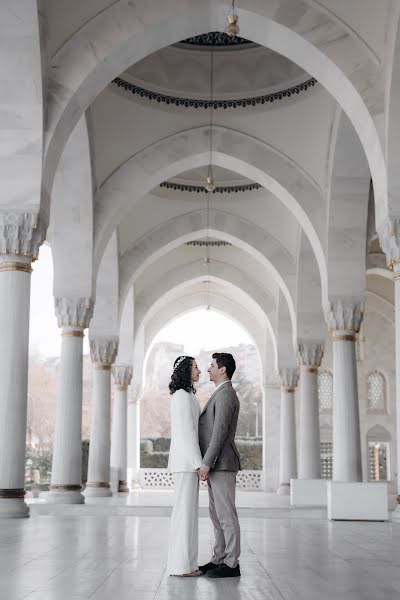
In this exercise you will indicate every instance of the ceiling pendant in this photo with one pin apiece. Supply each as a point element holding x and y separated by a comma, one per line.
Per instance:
<point>232,29</point>
<point>210,186</point>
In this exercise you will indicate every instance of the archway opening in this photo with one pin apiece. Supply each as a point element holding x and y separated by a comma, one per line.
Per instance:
<point>44,364</point>
<point>199,333</point>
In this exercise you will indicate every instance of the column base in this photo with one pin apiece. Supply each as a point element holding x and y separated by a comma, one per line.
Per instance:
<point>283,489</point>
<point>13,508</point>
<point>97,489</point>
<point>65,494</point>
<point>357,501</point>
<point>395,516</point>
<point>123,486</point>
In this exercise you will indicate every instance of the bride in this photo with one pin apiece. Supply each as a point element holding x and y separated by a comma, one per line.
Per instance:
<point>184,461</point>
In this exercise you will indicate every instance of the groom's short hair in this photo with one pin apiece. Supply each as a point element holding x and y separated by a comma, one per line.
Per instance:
<point>224,359</point>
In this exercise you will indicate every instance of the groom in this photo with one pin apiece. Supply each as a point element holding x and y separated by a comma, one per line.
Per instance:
<point>221,462</point>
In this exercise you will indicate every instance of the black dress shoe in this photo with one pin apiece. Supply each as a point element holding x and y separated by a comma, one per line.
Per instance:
<point>205,568</point>
<point>224,571</point>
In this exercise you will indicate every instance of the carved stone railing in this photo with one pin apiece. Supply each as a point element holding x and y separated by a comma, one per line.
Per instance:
<point>162,479</point>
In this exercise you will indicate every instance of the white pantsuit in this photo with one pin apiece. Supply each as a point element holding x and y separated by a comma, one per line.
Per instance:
<point>184,460</point>
<point>184,536</point>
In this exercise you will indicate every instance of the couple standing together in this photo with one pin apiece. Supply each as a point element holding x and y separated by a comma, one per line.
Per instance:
<point>203,447</point>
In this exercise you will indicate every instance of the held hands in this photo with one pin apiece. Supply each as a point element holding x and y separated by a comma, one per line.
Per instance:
<point>203,472</point>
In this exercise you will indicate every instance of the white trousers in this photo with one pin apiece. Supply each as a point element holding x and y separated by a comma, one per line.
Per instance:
<point>184,533</point>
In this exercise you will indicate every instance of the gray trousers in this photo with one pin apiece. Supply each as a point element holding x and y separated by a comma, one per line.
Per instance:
<point>221,492</point>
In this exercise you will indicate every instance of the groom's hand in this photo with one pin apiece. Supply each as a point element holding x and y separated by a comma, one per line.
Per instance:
<point>203,472</point>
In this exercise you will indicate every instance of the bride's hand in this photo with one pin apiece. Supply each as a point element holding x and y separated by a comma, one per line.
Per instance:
<point>203,472</point>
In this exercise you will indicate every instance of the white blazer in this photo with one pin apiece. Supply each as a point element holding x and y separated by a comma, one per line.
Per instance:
<point>184,453</point>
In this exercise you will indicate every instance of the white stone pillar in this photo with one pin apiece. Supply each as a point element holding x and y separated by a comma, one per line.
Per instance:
<point>288,455</point>
<point>20,238</point>
<point>270,433</point>
<point>134,439</point>
<point>396,278</point>
<point>309,357</point>
<point>103,352</point>
<point>119,436</point>
<point>66,474</point>
<point>389,236</point>
<point>344,318</point>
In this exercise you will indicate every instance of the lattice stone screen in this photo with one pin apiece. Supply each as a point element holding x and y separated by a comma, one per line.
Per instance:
<point>325,391</point>
<point>326,460</point>
<point>162,479</point>
<point>376,392</point>
<point>156,478</point>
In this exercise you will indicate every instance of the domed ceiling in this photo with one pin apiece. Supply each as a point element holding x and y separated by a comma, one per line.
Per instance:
<point>244,73</point>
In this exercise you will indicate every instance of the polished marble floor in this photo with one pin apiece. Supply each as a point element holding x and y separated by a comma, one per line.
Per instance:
<point>123,557</point>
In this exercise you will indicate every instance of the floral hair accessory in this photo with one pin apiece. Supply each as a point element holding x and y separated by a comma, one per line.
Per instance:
<point>179,361</point>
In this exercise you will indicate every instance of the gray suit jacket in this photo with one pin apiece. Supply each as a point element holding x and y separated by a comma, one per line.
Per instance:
<point>217,429</point>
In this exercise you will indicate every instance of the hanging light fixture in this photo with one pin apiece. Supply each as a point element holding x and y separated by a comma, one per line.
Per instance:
<point>232,29</point>
<point>210,185</point>
<point>207,257</point>
<point>210,188</point>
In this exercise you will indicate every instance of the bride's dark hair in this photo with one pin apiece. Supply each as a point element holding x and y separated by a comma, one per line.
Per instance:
<point>181,378</point>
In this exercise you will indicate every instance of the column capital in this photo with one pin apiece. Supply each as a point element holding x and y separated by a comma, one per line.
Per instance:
<point>21,234</point>
<point>345,313</point>
<point>73,312</point>
<point>289,378</point>
<point>134,396</point>
<point>122,375</point>
<point>309,355</point>
<point>389,237</point>
<point>103,351</point>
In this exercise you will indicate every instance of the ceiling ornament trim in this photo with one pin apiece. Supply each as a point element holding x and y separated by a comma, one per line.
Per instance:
<point>208,243</point>
<point>226,189</point>
<point>215,104</point>
<point>217,39</point>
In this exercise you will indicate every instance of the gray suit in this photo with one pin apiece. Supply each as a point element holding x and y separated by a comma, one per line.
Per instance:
<point>217,429</point>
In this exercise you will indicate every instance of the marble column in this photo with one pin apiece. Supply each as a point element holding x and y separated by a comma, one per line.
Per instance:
<point>73,316</point>
<point>119,449</point>
<point>309,356</point>
<point>134,439</point>
<point>20,238</point>
<point>396,279</point>
<point>344,318</point>
<point>103,352</point>
<point>270,433</point>
<point>288,455</point>
<point>389,236</point>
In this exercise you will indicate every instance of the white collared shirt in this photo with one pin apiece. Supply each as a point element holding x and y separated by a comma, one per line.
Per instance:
<point>219,385</point>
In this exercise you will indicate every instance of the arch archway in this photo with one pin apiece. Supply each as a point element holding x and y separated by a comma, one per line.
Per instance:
<point>146,30</point>
<point>174,284</point>
<point>252,242</point>
<point>233,150</point>
<point>162,357</point>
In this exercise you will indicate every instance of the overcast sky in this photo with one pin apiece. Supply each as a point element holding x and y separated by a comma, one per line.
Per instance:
<point>195,330</point>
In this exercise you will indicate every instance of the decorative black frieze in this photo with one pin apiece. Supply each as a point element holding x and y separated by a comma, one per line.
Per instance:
<point>194,103</point>
<point>215,38</point>
<point>227,189</point>
<point>208,243</point>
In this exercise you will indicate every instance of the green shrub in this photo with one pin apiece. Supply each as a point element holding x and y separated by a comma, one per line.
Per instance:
<point>154,453</point>
<point>250,453</point>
